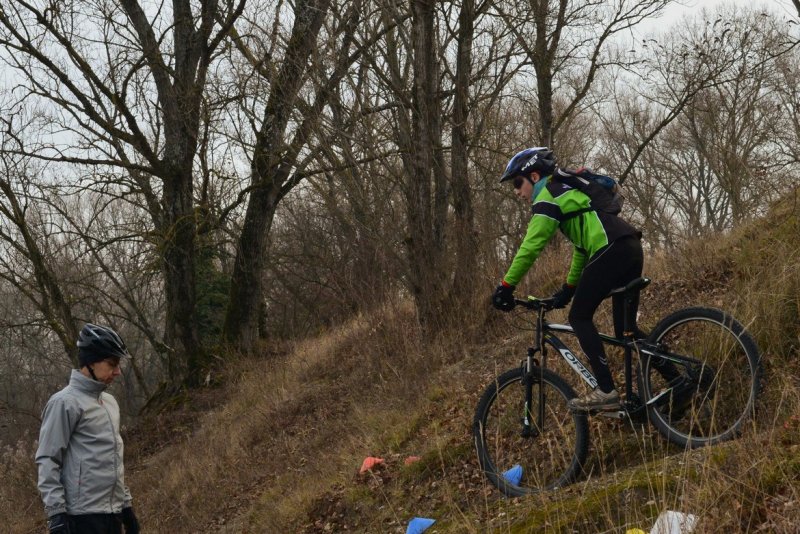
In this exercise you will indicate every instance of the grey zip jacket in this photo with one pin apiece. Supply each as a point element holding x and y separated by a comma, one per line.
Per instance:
<point>80,451</point>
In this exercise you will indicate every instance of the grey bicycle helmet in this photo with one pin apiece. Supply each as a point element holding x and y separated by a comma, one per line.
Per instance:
<point>537,159</point>
<point>97,343</point>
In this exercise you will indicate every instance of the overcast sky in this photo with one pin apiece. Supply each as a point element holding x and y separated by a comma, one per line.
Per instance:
<point>682,8</point>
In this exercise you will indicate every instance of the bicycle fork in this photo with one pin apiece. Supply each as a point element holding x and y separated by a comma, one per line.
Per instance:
<point>532,366</point>
<point>528,430</point>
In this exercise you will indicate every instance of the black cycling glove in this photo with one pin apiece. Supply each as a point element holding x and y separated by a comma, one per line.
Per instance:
<point>562,297</point>
<point>129,521</point>
<point>58,524</point>
<point>503,298</point>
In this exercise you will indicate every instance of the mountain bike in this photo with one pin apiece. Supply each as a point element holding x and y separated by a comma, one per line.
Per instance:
<point>527,438</point>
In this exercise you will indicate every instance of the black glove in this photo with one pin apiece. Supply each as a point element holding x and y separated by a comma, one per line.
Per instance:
<point>130,521</point>
<point>58,524</point>
<point>503,298</point>
<point>562,297</point>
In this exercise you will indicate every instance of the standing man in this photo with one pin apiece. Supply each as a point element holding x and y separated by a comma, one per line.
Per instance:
<point>81,475</point>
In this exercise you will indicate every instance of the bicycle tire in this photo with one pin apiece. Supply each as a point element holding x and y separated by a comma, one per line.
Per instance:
<point>548,461</point>
<point>719,396</point>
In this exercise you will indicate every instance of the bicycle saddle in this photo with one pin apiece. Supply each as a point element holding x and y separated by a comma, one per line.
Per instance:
<point>634,286</point>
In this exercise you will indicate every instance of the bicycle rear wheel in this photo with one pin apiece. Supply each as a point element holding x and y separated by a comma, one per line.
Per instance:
<point>713,397</point>
<point>551,456</point>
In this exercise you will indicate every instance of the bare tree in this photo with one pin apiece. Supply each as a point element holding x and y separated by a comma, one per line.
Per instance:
<point>431,89</point>
<point>26,262</point>
<point>569,43</point>
<point>466,246</point>
<point>127,87</point>
<point>420,142</point>
<point>280,153</point>
<point>704,125</point>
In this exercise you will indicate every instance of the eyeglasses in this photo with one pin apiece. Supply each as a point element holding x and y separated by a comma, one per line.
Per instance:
<point>518,181</point>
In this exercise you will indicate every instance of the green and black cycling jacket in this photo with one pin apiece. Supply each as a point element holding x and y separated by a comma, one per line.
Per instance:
<point>589,232</point>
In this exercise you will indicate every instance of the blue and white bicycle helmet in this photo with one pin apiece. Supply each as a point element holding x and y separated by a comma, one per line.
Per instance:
<point>537,159</point>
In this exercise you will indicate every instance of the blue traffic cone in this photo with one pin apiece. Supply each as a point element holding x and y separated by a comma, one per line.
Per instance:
<point>514,475</point>
<point>418,525</point>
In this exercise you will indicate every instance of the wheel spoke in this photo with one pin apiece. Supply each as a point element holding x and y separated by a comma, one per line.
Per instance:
<point>553,452</point>
<point>711,400</point>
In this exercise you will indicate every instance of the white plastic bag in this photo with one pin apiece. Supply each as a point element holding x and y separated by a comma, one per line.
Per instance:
<point>670,522</point>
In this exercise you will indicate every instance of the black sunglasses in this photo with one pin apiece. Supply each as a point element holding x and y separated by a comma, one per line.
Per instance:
<point>518,181</point>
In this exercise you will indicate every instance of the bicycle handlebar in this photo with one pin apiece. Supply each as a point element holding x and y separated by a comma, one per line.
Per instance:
<point>536,304</point>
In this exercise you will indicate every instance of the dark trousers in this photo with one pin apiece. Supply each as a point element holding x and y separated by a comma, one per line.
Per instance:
<point>610,268</point>
<point>95,524</point>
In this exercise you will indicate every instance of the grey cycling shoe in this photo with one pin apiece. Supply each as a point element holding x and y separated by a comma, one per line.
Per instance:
<point>596,401</point>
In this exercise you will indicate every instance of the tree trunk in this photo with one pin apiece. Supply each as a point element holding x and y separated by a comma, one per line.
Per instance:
<point>270,168</point>
<point>464,231</point>
<point>426,189</point>
<point>246,294</point>
<point>180,333</point>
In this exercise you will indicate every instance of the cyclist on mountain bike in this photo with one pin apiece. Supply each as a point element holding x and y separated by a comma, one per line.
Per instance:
<point>607,254</point>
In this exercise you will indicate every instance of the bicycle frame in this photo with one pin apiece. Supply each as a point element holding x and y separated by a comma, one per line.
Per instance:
<point>546,332</point>
<point>582,371</point>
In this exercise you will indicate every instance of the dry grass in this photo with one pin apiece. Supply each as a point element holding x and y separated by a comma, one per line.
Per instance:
<point>20,507</point>
<point>284,418</point>
<point>280,450</point>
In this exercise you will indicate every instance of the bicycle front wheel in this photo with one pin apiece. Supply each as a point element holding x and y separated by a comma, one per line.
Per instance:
<point>715,393</point>
<point>546,455</point>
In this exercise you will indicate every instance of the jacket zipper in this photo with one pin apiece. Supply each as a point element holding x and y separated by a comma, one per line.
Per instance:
<point>116,469</point>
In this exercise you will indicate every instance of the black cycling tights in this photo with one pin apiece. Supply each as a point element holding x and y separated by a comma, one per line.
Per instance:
<point>610,268</point>
<point>95,524</point>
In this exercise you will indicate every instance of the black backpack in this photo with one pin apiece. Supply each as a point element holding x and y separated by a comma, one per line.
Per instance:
<point>604,192</point>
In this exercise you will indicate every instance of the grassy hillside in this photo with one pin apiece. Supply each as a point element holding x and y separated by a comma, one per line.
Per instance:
<point>277,446</point>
